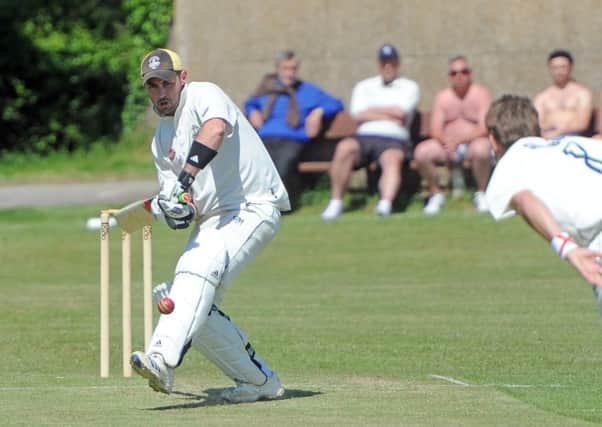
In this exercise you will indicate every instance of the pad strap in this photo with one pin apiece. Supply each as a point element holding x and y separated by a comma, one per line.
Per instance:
<point>562,244</point>
<point>200,154</point>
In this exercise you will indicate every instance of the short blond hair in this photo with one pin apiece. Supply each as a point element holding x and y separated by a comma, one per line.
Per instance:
<point>511,118</point>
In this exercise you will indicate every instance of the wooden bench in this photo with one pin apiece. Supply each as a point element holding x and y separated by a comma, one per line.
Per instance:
<point>317,155</point>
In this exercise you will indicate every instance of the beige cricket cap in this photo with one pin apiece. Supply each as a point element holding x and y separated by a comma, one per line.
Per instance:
<point>160,63</point>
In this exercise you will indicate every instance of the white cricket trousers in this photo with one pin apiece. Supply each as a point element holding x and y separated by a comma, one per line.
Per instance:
<point>218,249</point>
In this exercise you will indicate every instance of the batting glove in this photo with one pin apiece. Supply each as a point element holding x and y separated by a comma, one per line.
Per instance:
<point>177,215</point>
<point>175,204</point>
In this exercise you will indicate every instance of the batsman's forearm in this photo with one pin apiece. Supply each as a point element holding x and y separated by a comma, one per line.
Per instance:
<point>210,139</point>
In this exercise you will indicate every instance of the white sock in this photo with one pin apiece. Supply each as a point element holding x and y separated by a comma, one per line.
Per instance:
<point>334,209</point>
<point>383,207</point>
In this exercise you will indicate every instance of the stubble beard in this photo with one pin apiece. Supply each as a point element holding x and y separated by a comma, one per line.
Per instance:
<point>165,108</point>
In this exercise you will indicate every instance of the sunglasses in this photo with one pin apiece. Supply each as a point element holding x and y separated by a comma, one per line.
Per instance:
<point>465,71</point>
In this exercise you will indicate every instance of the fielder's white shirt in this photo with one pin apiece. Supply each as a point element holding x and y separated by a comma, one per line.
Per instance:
<point>564,173</point>
<point>241,172</point>
<point>372,92</point>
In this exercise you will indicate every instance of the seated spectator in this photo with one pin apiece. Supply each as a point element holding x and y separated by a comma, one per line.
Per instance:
<point>565,108</point>
<point>384,107</point>
<point>459,136</point>
<point>287,112</point>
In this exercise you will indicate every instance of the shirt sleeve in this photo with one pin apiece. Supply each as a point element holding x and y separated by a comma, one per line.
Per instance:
<point>212,103</point>
<point>412,98</point>
<point>357,103</point>
<point>164,172</point>
<point>329,103</point>
<point>506,181</point>
<point>251,104</point>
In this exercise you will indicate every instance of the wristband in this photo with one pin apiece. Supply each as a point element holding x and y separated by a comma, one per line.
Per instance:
<point>185,180</point>
<point>562,244</point>
<point>200,155</point>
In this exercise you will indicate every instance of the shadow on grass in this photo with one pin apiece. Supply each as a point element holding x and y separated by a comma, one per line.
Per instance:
<point>212,397</point>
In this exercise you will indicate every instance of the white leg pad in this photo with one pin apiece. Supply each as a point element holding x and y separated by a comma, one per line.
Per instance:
<point>198,273</point>
<point>226,345</point>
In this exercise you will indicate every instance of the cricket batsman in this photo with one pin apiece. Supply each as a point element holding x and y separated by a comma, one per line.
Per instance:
<point>217,179</point>
<point>555,185</point>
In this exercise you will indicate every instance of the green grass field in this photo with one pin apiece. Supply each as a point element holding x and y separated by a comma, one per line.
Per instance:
<point>413,321</point>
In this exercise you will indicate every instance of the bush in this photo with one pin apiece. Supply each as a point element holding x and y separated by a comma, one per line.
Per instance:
<point>70,69</point>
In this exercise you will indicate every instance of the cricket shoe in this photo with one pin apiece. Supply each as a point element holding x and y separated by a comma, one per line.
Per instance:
<point>434,204</point>
<point>153,368</point>
<point>246,392</point>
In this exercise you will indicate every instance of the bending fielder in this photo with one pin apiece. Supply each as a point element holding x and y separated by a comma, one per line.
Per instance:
<point>216,177</point>
<point>553,184</point>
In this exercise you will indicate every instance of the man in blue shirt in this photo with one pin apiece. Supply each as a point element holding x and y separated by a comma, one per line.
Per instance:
<point>287,113</point>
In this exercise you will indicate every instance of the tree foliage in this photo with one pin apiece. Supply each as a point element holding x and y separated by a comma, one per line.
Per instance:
<point>70,69</point>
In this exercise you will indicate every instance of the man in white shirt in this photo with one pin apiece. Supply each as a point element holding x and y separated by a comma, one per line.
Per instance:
<point>553,184</point>
<point>216,177</point>
<point>384,107</point>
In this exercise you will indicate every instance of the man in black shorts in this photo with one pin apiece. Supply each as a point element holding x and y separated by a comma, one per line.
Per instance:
<point>384,107</point>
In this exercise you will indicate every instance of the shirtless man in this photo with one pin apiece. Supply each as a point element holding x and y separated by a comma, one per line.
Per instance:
<point>565,108</point>
<point>459,135</point>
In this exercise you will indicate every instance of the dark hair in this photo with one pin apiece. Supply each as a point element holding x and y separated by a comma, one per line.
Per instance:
<point>511,118</point>
<point>560,53</point>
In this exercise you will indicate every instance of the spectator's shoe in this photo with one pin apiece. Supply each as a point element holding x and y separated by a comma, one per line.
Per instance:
<point>246,392</point>
<point>434,204</point>
<point>480,202</point>
<point>153,368</point>
<point>383,208</point>
<point>334,209</point>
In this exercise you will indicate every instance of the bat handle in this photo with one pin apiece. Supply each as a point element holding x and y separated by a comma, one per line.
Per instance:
<point>184,198</point>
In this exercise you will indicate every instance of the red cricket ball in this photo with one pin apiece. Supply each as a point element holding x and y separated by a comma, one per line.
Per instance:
<point>166,305</point>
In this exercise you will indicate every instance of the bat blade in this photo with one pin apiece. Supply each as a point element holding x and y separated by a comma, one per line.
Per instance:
<point>134,216</point>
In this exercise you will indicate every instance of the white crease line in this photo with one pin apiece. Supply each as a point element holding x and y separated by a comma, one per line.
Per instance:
<point>450,380</point>
<point>522,385</point>
<point>465,384</point>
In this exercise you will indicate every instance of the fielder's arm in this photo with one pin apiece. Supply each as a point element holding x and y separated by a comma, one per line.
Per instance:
<point>539,217</point>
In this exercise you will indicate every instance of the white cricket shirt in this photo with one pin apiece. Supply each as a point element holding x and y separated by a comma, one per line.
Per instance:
<point>241,172</point>
<point>372,92</point>
<point>564,173</point>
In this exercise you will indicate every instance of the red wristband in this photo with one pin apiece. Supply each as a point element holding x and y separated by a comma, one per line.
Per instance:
<point>562,244</point>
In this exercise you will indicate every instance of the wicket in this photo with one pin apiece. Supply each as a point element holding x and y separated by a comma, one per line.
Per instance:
<point>126,272</point>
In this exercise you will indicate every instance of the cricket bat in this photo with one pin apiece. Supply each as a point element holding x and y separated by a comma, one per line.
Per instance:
<point>134,216</point>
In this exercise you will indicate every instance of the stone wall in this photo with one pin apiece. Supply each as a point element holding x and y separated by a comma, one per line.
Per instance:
<point>233,43</point>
